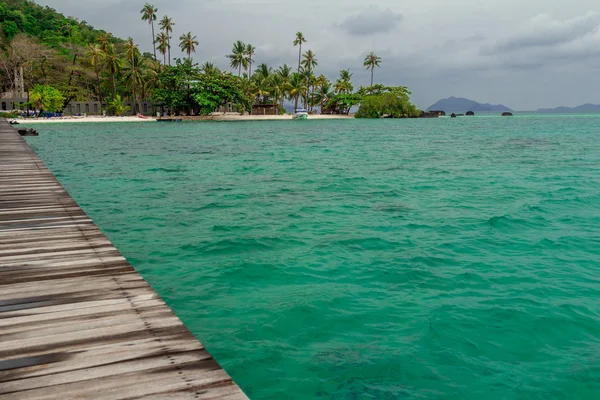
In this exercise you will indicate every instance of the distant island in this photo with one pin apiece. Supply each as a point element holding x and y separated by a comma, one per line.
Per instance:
<point>461,105</point>
<point>584,108</point>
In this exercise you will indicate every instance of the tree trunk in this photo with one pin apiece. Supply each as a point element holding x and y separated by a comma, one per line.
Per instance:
<point>21,81</point>
<point>250,68</point>
<point>371,75</point>
<point>113,84</point>
<point>153,42</point>
<point>299,56</point>
<point>296,103</point>
<point>169,44</point>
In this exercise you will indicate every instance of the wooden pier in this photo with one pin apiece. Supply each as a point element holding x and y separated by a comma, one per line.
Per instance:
<point>76,320</point>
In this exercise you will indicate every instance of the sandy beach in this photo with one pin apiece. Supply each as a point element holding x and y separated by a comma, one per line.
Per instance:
<point>214,117</point>
<point>83,119</point>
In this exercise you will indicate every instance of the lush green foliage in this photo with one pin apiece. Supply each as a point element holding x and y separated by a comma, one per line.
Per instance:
<point>51,27</point>
<point>212,91</point>
<point>8,115</point>
<point>47,98</point>
<point>379,101</point>
<point>117,106</point>
<point>39,46</point>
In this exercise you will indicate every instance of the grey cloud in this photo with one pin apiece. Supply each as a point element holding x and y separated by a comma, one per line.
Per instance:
<point>371,21</point>
<point>542,31</point>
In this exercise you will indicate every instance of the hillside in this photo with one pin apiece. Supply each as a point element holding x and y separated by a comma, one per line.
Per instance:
<point>462,105</point>
<point>44,23</point>
<point>584,108</point>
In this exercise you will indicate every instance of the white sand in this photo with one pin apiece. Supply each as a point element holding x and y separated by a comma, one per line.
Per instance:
<point>83,119</point>
<point>213,117</point>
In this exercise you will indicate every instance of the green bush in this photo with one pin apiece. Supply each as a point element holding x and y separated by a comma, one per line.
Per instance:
<point>8,115</point>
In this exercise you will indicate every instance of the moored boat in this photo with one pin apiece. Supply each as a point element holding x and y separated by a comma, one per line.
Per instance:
<point>300,114</point>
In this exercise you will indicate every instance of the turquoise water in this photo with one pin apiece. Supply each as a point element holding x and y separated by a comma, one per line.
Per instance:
<point>418,259</point>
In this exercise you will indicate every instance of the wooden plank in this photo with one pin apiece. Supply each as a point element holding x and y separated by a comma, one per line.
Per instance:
<point>76,320</point>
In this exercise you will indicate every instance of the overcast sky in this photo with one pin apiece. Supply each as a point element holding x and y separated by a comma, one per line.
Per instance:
<point>526,54</point>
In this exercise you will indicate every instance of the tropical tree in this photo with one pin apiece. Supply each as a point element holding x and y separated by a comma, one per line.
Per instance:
<point>250,52</point>
<point>96,58</point>
<point>344,84</point>
<point>46,98</point>
<point>372,61</point>
<point>149,14</point>
<point>296,88</point>
<point>162,39</point>
<point>238,58</point>
<point>134,70</point>
<point>188,43</point>
<point>209,68</point>
<point>104,40</point>
<point>323,94</point>
<point>298,42</point>
<point>112,64</point>
<point>389,101</point>
<point>117,106</point>
<point>167,24</point>
<point>309,63</point>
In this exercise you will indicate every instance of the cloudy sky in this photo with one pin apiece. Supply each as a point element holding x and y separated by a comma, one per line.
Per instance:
<point>526,54</point>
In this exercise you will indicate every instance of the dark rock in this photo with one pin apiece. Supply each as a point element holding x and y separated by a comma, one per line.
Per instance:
<point>470,113</point>
<point>452,115</point>
<point>28,132</point>
<point>432,114</point>
<point>507,114</point>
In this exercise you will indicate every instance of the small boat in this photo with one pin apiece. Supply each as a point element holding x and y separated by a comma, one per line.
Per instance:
<point>300,113</point>
<point>142,116</point>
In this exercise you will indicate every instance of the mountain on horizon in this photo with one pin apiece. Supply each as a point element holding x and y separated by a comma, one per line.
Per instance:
<point>584,108</point>
<point>462,105</point>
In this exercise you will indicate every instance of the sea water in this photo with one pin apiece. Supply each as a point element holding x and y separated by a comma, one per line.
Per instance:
<point>362,259</point>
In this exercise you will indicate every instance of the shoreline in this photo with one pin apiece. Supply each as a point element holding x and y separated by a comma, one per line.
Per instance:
<point>214,117</point>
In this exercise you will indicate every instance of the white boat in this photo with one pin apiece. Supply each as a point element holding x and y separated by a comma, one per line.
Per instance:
<point>301,114</point>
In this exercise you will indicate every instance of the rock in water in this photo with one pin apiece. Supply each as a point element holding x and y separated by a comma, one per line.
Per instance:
<point>470,113</point>
<point>507,114</point>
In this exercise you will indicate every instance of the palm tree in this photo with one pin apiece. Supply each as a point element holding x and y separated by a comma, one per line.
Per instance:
<point>345,75</point>
<point>250,52</point>
<point>372,61</point>
<point>309,63</point>
<point>112,63</point>
<point>96,58</point>
<point>133,74</point>
<point>323,94</point>
<point>167,24</point>
<point>278,88</point>
<point>209,68</point>
<point>104,40</point>
<point>296,88</point>
<point>149,14</point>
<point>264,71</point>
<point>188,44</point>
<point>238,57</point>
<point>163,45</point>
<point>298,42</point>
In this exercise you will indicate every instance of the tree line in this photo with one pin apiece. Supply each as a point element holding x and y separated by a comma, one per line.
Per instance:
<point>110,70</point>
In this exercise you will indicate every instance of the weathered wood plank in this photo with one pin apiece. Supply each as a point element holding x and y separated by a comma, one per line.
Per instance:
<point>76,320</point>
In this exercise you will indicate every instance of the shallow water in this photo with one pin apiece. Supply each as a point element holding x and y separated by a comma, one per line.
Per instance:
<point>454,259</point>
